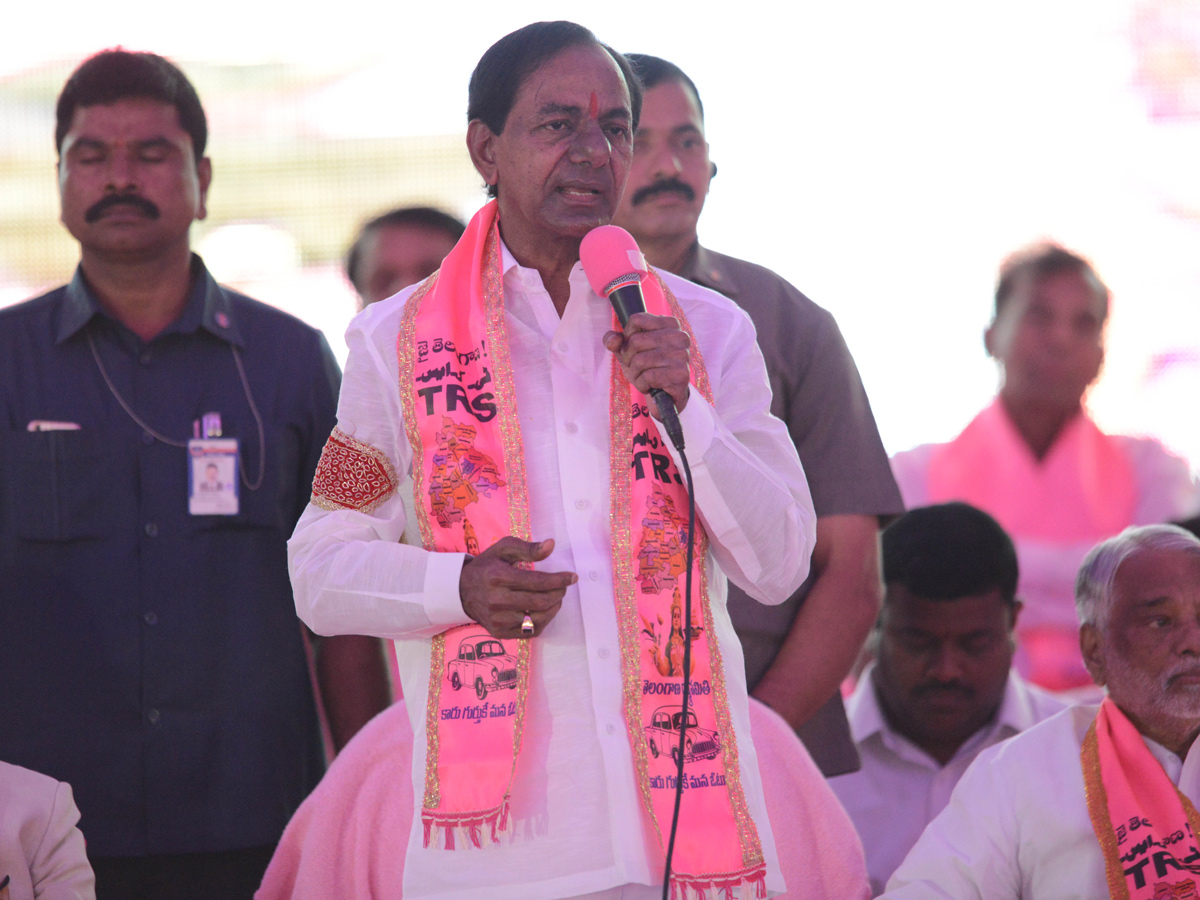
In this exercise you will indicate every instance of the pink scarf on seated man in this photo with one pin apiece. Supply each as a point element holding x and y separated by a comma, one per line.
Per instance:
<point>460,411</point>
<point>1082,491</point>
<point>1147,829</point>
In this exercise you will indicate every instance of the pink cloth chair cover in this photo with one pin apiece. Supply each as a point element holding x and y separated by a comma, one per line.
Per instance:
<point>349,837</point>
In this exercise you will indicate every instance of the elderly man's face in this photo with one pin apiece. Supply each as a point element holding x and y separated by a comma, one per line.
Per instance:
<point>563,156</point>
<point>1148,653</point>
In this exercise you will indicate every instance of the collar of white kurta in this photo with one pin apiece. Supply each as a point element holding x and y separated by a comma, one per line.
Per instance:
<point>460,411</point>
<point>865,714</point>
<point>1147,829</point>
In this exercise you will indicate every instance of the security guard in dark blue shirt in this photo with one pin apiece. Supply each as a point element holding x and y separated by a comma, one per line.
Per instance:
<point>150,653</point>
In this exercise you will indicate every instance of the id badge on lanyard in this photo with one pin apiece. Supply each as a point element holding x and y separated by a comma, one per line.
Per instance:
<point>213,471</point>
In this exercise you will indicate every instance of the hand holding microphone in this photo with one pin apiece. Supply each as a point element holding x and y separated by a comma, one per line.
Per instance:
<point>653,351</point>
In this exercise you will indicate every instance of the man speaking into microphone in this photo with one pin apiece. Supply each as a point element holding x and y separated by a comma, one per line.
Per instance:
<point>500,500</point>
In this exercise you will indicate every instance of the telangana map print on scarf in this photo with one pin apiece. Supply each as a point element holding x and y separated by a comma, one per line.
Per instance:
<point>460,474</point>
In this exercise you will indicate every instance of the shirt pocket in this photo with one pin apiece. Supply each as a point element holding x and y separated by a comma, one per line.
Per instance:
<point>270,505</point>
<point>59,484</point>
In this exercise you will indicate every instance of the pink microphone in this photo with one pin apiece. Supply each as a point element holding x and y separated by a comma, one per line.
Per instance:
<point>615,268</point>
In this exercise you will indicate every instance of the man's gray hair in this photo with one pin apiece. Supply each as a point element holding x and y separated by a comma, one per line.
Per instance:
<point>1094,584</point>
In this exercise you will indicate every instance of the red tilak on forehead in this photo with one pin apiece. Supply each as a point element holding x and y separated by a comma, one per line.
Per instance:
<point>594,107</point>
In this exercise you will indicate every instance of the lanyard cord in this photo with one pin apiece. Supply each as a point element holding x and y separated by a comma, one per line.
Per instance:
<point>262,437</point>
<point>237,358</point>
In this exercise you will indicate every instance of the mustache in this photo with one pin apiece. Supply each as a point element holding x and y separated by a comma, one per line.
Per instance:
<point>663,186</point>
<point>943,687</point>
<point>104,204</point>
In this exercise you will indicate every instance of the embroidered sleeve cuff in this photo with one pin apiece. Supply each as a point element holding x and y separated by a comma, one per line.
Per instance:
<point>352,475</point>
<point>443,604</point>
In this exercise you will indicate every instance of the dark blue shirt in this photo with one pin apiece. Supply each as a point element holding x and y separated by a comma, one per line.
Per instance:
<point>152,658</point>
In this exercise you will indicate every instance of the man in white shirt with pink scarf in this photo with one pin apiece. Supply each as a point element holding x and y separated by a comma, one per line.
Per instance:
<point>1036,460</point>
<point>497,501</point>
<point>1093,802</point>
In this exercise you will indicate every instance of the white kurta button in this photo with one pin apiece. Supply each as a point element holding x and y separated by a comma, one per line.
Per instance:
<point>570,428</point>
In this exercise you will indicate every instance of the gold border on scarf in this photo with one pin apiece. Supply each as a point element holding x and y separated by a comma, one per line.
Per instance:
<point>505,387</point>
<point>513,450</point>
<point>752,854</point>
<point>516,493</point>
<point>1189,810</point>
<point>406,361</point>
<point>620,423</point>
<point>437,655</point>
<point>406,354</point>
<point>620,478</point>
<point>1097,804</point>
<point>1098,812</point>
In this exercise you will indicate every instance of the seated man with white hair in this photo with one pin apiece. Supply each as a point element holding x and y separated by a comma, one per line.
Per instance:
<point>1096,801</point>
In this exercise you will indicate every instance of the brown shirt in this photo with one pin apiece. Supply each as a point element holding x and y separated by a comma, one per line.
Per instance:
<point>819,396</point>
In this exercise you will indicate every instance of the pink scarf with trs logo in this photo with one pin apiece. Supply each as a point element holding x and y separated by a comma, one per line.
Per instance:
<point>457,391</point>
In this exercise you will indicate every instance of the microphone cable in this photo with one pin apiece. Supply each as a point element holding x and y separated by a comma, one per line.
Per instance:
<point>615,267</point>
<point>687,661</point>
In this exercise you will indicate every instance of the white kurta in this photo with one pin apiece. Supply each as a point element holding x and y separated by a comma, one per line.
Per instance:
<point>42,852</point>
<point>1017,826</point>
<point>900,787</point>
<point>579,821</point>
